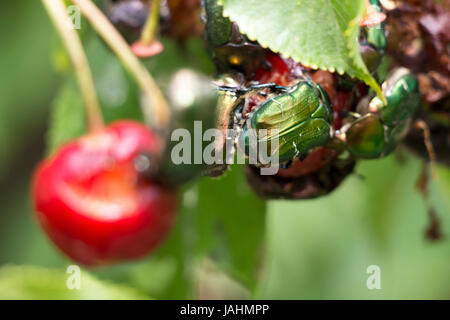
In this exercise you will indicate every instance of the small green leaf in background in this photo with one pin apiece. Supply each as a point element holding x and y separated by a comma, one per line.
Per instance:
<point>322,34</point>
<point>232,224</point>
<point>67,118</point>
<point>30,282</point>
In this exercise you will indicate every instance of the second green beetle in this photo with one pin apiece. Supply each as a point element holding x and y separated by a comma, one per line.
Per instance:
<point>376,133</point>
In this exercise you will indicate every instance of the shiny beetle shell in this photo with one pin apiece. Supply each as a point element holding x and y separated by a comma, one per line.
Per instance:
<point>377,134</point>
<point>300,120</point>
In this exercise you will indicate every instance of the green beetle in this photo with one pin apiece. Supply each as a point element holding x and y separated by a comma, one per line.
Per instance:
<point>380,127</point>
<point>377,133</point>
<point>299,120</point>
<point>376,35</point>
<point>373,41</point>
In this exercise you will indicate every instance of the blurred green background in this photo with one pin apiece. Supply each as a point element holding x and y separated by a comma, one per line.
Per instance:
<point>227,243</point>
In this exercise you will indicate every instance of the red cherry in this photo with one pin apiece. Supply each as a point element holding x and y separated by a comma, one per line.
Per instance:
<point>317,159</point>
<point>281,71</point>
<point>278,72</point>
<point>92,203</point>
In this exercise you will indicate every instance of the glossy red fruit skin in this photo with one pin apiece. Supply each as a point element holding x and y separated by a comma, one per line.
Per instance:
<point>92,203</point>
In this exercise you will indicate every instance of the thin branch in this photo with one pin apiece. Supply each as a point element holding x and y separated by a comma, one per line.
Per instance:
<point>421,125</point>
<point>148,34</point>
<point>58,13</point>
<point>156,109</point>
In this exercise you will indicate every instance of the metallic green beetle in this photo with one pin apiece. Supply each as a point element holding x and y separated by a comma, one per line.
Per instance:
<point>373,41</point>
<point>377,133</point>
<point>376,35</point>
<point>299,120</point>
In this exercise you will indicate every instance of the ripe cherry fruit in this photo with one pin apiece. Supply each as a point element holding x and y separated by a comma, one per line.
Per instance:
<point>93,204</point>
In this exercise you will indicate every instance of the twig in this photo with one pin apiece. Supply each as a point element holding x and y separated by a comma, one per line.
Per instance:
<point>420,124</point>
<point>148,33</point>
<point>58,13</point>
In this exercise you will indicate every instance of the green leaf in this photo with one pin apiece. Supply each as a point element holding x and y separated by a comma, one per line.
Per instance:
<point>231,224</point>
<point>30,282</point>
<point>322,34</point>
<point>67,118</point>
<point>118,93</point>
<point>26,84</point>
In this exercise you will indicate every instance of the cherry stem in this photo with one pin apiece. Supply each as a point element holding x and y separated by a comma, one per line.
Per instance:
<point>71,41</point>
<point>421,125</point>
<point>148,33</point>
<point>155,106</point>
